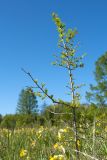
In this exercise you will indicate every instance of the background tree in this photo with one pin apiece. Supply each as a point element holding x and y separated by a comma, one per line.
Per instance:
<point>98,93</point>
<point>27,103</point>
<point>9,121</point>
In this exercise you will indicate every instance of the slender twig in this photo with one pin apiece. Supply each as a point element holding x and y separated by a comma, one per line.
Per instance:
<point>58,113</point>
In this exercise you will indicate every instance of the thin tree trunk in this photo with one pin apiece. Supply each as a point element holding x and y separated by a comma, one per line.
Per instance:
<point>75,132</point>
<point>73,107</point>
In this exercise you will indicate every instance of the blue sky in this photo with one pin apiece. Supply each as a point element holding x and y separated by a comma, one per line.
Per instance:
<point>28,39</point>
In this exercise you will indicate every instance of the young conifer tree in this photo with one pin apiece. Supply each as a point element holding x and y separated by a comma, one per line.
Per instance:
<point>66,59</point>
<point>27,102</point>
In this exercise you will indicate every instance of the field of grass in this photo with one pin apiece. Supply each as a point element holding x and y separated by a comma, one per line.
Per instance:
<point>54,142</point>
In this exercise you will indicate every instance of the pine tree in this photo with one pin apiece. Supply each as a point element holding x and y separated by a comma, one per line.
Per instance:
<point>27,103</point>
<point>98,92</point>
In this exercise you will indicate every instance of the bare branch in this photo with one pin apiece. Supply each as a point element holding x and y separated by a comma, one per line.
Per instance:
<point>59,113</point>
<point>43,91</point>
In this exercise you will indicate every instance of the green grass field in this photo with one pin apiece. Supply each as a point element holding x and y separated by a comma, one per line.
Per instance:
<point>54,143</point>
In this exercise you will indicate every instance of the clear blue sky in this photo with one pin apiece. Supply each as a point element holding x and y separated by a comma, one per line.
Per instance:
<point>28,39</point>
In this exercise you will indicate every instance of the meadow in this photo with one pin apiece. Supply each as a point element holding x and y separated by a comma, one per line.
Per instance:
<point>56,142</point>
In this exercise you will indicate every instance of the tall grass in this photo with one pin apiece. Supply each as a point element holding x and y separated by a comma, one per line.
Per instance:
<point>54,143</point>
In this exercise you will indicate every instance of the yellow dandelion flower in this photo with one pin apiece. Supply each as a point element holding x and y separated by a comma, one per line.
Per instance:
<point>23,153</point>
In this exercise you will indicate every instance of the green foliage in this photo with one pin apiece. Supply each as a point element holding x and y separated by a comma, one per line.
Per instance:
<point>67,59</point>
<point>57,114</point>
<point>27,103</point>
<point>9,121</point>
<point>98,93</point>
<point>52,115</point>
<point>19,120</point>
<point>26,120</point>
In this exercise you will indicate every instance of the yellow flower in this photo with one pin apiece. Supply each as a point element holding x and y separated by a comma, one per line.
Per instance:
<point>63,130</point>
<point>78,143</point>
<point>57,157</point>
<point>56,145</point>
<point>61,133</point>
<point>59,147</point>
<point>23,153</point>
<point>39,132</point>
<point>98,124</point>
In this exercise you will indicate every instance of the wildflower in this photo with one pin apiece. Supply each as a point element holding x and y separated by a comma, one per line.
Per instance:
<point>63,130</point>
<point>58,157</point>
<point>23,153</point>
<point>59,147</point>
<point>98,124</point>
<point>55,145</point>
<point>61,133</point>
<point>78,143</point>
<point>39,132</point>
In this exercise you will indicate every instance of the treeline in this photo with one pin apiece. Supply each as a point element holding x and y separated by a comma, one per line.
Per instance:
<point>54,116</point>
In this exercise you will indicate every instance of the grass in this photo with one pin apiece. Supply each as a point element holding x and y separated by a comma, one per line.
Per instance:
<point>54,143</point>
